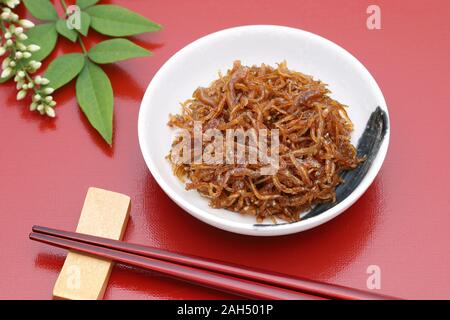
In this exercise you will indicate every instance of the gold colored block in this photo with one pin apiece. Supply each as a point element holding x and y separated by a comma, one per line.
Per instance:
<point>82,277</point>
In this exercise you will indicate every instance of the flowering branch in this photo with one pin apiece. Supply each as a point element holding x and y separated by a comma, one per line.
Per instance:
<point>17,63</point>
<point>24,49</point>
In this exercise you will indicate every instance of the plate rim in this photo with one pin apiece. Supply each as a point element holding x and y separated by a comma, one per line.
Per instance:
<point>266,230</point>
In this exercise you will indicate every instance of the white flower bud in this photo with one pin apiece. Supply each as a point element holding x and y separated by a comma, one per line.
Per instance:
<point>6,73</point>
<point>19,84</point>
<point>49,90</point>
<point>14,17</point>
<point>21,74</point>
<point>19,55</point>
<point>27,55</point>
<point>2,51</point>
<point>12,64</point>
<point>45,81</point>
<point>48,98</point>
<point>52,103</point>
<point>18,31</point>
<point>26,23</point>
<point>37,97</point>
<point>30,85</point>
<point>22,36</point>
<point>9,43</point>
<point>5,15</point>
<point>38,79</point>
<point>35,64</point>
<point>5,9</point>
<point>7,35</point>
<point>33,48</point>
<point>33,106</point>
<point>21,46</point>
<point>50,111</point>
<point>6,62</point>
<point>40,108</point>
<point>21,94</point>
<point>12,3</point>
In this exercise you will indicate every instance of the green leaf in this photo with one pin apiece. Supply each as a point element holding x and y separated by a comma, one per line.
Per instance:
<point>95,97</point>
<point>63,69</point>
<point>83,4</point>
<point>85,20</point>
<point>45,36</point>
<point>115,50</point>
<point>61,27</point>
<point>42,9</point>
<point>116,21</point>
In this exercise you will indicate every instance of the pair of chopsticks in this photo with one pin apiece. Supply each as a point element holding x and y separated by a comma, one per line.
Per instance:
<point>238,280</point>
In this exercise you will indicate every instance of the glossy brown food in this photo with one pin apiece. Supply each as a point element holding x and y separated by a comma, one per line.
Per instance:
<point>314,134</point>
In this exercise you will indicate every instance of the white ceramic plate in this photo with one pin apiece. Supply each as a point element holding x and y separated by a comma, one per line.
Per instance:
<point>198,63</point>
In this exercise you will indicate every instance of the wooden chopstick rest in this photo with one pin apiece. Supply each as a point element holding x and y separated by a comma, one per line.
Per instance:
<point>104,214</point>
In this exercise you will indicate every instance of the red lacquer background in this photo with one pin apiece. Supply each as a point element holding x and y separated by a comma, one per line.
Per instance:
<point>401,224</point>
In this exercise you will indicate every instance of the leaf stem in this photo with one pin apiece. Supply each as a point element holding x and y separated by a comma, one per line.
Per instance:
<point>82,45</point>
<point>64,5</point>
<point>3,27</point>
<point>80,41</point>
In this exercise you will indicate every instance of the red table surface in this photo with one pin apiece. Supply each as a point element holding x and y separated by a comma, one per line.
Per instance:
<point>401,224</point>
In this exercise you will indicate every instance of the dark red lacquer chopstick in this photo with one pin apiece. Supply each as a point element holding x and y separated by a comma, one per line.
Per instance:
<point>226,283</point>
<point>315,288</point>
